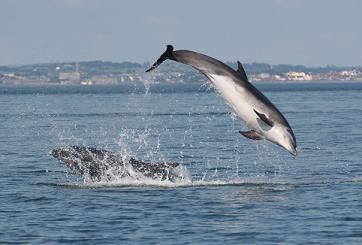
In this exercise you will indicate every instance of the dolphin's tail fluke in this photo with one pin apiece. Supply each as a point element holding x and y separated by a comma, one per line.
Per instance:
<point>166,55</point>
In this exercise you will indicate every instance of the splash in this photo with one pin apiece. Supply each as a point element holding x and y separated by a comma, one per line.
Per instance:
<point>182,183</point>
<point>140,135</point>
<point>102,168</point>
<point>97,165</point>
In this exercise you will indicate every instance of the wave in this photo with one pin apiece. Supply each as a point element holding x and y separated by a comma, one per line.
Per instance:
<point>275,184</point>
<point>111,115</point>
<point>165,88</point>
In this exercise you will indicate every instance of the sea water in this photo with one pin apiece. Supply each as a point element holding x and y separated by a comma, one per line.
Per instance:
<point>238,191</point>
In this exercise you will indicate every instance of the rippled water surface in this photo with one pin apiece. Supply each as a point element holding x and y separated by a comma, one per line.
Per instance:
<point>240,192</point>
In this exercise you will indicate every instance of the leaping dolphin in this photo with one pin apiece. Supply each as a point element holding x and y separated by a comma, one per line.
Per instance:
<point>247,102</point>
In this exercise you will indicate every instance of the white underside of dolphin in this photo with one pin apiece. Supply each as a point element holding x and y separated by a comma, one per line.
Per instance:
<point>248,103</point>
<point>232,94</point>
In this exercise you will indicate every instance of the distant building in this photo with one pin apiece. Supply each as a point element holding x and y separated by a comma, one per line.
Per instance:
<point>278,78</point>
<point>70,77</point>
<point>87,82</point>
<point>104,79</point>
<point>9,74</point>
<point>264,76</point>
<point>349,75</point>
<point>298,76</point>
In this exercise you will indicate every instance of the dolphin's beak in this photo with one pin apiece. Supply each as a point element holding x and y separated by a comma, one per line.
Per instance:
<point>51,152</point>
<point>293,151</point>
<point>54,153</point>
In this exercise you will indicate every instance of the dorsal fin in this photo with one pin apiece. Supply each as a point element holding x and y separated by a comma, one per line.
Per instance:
<point>241,71</point>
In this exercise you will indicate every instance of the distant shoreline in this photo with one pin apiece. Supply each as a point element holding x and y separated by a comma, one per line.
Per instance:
<point>103,72</point>
<point>53,84</point>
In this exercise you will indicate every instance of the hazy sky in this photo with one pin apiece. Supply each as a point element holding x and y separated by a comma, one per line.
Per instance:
<point>309,32</point>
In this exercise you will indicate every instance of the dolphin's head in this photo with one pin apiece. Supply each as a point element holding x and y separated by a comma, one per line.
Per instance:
<point>60,153</point>
<point>56,153</point>
<point>282,134</point>
<point>67,153</point>
<point>71,156</point>
<point>286,139</point>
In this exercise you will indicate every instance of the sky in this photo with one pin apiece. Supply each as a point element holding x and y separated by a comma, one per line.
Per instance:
<point>309,32</point>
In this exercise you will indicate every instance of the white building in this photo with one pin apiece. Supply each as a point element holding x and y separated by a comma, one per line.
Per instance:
<point>299,76</point>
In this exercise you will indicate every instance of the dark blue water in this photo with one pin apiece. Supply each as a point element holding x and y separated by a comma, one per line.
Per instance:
<point>240,191</point>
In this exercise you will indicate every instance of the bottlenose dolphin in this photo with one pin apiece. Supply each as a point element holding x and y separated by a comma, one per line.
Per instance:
<point>102,165</point>
<point>247,102</point>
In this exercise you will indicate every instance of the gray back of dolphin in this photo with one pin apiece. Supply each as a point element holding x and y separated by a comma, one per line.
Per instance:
<point>208,65</point>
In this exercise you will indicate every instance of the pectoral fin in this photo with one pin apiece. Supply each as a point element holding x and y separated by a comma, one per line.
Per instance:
<point>252,134</point>
<point>264,118</point>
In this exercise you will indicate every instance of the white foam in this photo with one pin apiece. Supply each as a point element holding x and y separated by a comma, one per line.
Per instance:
<point>185,182</point>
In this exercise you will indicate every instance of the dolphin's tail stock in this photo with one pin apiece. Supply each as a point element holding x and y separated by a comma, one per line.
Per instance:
<point>166,55</point>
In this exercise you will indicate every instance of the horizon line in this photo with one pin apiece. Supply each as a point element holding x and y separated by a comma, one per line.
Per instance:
<point>149,62</point>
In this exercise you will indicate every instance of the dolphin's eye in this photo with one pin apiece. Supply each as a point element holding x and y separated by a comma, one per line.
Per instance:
<point>289,130</point>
